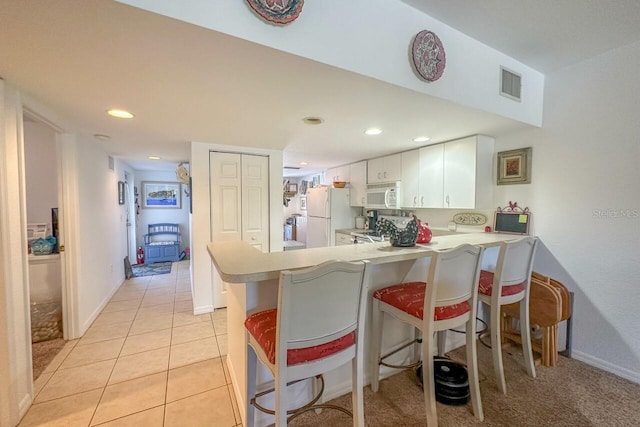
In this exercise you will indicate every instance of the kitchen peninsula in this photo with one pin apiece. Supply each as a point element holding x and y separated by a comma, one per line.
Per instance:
<point>252,278</point>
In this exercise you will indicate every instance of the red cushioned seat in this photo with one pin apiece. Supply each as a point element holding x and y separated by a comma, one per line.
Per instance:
<point>409,297</point>
<point>486,285</point>
<point>262,326</point>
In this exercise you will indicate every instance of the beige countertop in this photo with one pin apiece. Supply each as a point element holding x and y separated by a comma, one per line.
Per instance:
<point>239,262</point>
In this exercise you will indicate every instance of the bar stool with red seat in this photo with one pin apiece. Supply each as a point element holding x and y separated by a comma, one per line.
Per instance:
<point>317,327</point>
<point>450,299</point>
<point>508,284</point>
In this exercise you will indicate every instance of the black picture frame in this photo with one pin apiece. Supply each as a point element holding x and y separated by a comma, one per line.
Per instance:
<point>121,192</point>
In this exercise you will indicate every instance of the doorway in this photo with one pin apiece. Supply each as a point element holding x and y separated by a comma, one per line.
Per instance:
<point>45,259</point>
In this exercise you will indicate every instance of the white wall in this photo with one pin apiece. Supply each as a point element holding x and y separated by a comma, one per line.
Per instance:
<point>201,273</point>
<point>40,172</point>
<point>151,216</point>
<point>586,203</point>
<point>373,38</point>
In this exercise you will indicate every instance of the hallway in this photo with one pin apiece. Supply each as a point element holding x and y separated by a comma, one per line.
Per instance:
<point>145,361</point>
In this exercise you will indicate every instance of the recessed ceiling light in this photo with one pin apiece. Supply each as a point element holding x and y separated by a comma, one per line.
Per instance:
<point>303,163</point>
<point>154,158</point>
<point>421,139</point>
<point>373,131</point>
<point>121,114</point>
<point>313,120</point>
<point>101,136</point>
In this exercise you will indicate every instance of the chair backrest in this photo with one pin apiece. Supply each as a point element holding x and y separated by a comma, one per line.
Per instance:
<point>515,263</point>
<point>320,304</point>
<point>453,276</point>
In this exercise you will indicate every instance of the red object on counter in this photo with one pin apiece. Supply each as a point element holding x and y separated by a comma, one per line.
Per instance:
<point>424,233</point>
<point>140,255</point>
<point>487,229</point>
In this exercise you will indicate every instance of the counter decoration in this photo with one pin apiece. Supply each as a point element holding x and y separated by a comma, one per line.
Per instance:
<point>424,232</point>
<point>399,237</point>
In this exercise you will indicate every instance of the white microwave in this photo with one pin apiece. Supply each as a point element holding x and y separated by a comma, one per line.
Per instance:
<point>384,196</point>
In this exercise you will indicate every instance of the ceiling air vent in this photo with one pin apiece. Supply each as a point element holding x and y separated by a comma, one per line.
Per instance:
<point>510,84</point>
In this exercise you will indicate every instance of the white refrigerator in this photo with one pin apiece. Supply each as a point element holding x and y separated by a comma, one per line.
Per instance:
<point>328,210</point>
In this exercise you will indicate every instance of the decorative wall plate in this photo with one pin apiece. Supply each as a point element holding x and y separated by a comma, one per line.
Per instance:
<point>428,55</point>
<point>470,219</point>
<point>277,11</point>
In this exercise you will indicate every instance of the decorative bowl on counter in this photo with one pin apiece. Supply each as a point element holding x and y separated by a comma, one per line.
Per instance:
<point>339,184</point>
<point>399,237</point>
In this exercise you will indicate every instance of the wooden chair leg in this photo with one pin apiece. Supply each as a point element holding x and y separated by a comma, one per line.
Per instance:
<point>525,332</point>
<point>496,348</point>
<point>376,343</point>
<point>472,367</point>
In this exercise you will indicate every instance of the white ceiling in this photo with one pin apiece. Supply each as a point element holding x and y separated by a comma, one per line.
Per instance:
<point>186,83</point>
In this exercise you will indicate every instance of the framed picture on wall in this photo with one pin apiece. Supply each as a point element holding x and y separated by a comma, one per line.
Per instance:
<point>161,195</point>
<point>303,203</point>
<point>514,166</point>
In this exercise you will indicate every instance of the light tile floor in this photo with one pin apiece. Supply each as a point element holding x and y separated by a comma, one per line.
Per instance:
<point>145,361</point>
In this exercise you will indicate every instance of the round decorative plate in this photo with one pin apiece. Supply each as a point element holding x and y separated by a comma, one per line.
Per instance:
<point>277,11</point>
<point>428,55</point>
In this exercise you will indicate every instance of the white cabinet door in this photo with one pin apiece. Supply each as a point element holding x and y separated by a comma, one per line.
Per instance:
<point>460,173</point>
<point>431,176</point>
<point>411,170</point>
<point>358,184</point>
<point>384,169</point>
<point>341,173</point>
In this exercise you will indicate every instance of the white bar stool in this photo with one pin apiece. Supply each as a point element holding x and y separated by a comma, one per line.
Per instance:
<point>317,327</point>
<point>449,297</point>
<point>510,283</point>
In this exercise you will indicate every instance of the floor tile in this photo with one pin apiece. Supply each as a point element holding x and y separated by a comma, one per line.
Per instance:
<point>191,332</point>
<point>198,411</point>
<point>121,305</point>
<point>127,295</point>
<point>193,351</point>
<point>130,397</point>
<point>150,418</point>
<point>183,296</point>
<point>186,305</point>
<point>150,300</point>
<point>114,317</point>
<point>149,324</point>
<point>194,379</point>
<point>187,318</point>
<point>140,365</point>
<point>154,310</point>
<point>222,344</point>
<point>65,382</point>
<point>105,332</point>
<point>220,324</point>
<point>59,358</point>
<point>40,382</point>
<point>234,405</point>
<point>91,353</point>
<point>145,342</point>
<point>75,410</point>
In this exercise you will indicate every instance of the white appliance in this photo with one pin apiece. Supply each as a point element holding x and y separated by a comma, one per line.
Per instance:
<point>328,210</point>
<point>384,196</point>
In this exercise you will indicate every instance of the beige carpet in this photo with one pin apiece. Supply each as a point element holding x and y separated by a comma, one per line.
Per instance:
<point>570,394</point>
<point>43,353</point>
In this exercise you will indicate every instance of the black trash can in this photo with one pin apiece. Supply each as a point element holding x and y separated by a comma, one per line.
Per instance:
<point>451,381</point>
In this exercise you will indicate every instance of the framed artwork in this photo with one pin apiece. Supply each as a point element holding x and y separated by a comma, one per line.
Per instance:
<point>514,166</point>
<point>303,203</point>
<point>121,192</point>
<point>161,195</point>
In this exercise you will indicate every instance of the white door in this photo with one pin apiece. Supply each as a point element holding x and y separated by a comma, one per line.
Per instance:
<point>255,203</point>
<point>239,185</point>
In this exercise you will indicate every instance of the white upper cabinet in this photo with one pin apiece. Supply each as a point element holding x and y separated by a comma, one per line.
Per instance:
<point>456,174</point>
<point>422,177</point>
<point>468,164</point>
<point>384,169</point>
<point>341,173</point>
<point>358,183</point>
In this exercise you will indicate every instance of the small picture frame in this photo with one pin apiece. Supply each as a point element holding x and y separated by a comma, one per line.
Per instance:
<point>514,166</point>
<point>121,192</point>
<point>303,203</point>
<point>161,195</point>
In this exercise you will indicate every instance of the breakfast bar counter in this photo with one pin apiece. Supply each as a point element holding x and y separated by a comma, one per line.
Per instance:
<point>251,280</point>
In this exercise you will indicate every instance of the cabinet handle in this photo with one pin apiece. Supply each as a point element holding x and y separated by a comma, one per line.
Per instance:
<point>421,200</point>
<point>385,174</point>
<point>379,175</point>
<point>415,201</point>
<point>447,200</point>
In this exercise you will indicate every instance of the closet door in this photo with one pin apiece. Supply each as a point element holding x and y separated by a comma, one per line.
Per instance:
<point>255,201</point>
<point>226,200</point>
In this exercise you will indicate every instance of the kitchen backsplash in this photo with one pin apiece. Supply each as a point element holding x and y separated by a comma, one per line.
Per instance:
<point>440,218</point>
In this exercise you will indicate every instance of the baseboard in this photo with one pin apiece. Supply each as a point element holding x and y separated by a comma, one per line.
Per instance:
<point>203,309</point>
<point>25,404</point>
<point>606,366</point>
<point>87,323</point>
